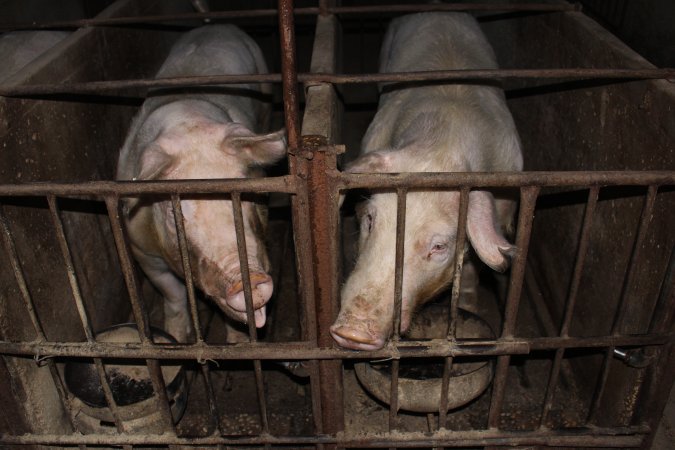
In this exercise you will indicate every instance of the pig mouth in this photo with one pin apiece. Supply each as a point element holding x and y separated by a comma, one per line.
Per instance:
<point>234,303</point>
<point>356,338</point>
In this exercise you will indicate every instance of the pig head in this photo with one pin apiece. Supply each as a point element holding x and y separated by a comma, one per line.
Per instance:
<point>217,133</point>
<point>202,149</point>
<point>436,128</point>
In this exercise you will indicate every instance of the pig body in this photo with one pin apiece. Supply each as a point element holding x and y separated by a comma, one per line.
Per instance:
<point>214,134</point>
<point>433,128</point>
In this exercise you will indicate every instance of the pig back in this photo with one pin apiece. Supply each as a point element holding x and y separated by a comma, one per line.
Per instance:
<point>221,50</point>
<point>470,121</point>
<point>205,51</point>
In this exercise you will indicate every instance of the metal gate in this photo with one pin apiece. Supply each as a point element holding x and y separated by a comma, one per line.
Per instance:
<point>314,184</point>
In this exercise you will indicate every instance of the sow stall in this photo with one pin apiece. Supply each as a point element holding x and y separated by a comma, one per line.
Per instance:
<point>579,348</point>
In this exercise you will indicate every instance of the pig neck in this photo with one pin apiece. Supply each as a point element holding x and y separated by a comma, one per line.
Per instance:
<point>451,130</point>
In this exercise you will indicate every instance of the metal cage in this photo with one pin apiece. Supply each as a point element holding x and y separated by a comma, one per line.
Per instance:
<point>628,347</point>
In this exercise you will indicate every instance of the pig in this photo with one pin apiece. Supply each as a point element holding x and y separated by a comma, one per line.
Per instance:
<point>427,128</point>
<point>199,136</point>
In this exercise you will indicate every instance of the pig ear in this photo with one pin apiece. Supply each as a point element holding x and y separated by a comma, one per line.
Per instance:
<point>372,162</point>
<point>260,150</point>
<point>485,233</point>
<point>155,162</point>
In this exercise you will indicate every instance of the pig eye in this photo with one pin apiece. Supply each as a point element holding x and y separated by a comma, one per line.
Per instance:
<point>367,223</point>
<point>438,250</point>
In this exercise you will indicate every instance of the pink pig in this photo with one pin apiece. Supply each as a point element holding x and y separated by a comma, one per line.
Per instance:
<point>433,128</point>
<point>200,136</point>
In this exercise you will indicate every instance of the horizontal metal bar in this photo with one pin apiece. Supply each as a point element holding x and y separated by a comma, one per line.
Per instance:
<point>252,13</point>
<point>584,437</point>
<point>286,184</point>
<point>457,76</point>
<point>283,184</point>
<point>456,180</point>
<point>283,351</point>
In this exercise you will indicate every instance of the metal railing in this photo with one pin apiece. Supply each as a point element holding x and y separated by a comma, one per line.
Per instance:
<point>314,185</point>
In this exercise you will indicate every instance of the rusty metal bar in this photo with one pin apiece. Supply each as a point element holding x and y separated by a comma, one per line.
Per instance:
<point>63,393</point>
<point>582,248</point>
<point>528,199</point>
<point>128,270</point>
<point>324,217</point>
<point>70,268</point>
<point>323,9</point>
<point>645,218</point>
<point>283,184</point>
<point>401,194</point>
<point>585,437</point>
<point>636,253</point>
<point>466,76</point>
<point>243,264</point>
<point>187,266</point>
<point>443,406</point>
<point>139,310</point>
<point>393,395</point>
<point>411,180</point>
<point>248,296</point>
<point>214,412</point>
<point>448,180</point>
<point>454,300</point>
<point>289,74</point>
<point>77,296</point>
<point>15,262</point>
<point>459,261</point>
<point>284,351</point>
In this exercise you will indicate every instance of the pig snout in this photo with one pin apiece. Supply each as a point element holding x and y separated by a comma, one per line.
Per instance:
<point>261,291</point>
<point>360,328</point>
<point>357,336</point>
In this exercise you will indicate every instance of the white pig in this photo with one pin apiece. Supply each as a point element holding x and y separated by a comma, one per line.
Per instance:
<point>198,136</point>
<point>432,128</point>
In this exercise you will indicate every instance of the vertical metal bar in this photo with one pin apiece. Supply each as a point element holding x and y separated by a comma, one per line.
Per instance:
<point>636,252</point>
<point>289,74</point>
<point>210,393</point>
<point>10,248</point>
<point>74,285</point>
<point>528,199</point>
<point>401,197</point>
<point>582,249</point>
<point>443,407</point>
<point>77,296</point>
<point>300,203</point>
<point>246,283</point>
<point>243,264</point>
<point>70,268</point>
<point>66,398</point>
<point>398,267</point>
<point>187,266</point>
<point>459,261</point>
<point>128,271</point>
<point>324,217</point>
<point>454,301</point>
<point>140,312</point>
